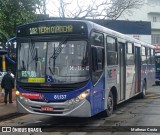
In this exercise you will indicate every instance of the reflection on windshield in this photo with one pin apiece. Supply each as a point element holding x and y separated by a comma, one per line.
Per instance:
<point>56,62</point>
<point>31,59</point>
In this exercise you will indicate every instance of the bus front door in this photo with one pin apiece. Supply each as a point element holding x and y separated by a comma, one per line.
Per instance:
<point>137,69</point>
<point>122,70</point>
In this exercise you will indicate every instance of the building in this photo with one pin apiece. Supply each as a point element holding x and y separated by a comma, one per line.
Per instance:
<point>140,30</point>
<point>150,11</point>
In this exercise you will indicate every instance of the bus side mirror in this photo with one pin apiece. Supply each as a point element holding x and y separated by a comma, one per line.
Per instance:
<point>94,59</point>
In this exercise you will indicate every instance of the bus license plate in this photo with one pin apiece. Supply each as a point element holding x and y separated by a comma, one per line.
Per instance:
<point>46,108</point>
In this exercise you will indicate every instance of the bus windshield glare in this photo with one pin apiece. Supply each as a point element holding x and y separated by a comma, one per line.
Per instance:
<point>64,61</point>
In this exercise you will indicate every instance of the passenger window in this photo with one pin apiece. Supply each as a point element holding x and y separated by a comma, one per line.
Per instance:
<point>152,57</point>
<point>130,54</point>
<point>97,39</point>
<point>149,56</point>
<point>111,51</point>
<point>144,52</point>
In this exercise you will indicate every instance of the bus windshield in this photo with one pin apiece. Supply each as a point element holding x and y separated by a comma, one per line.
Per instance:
<point>157,63</point>
<point>64,61</point>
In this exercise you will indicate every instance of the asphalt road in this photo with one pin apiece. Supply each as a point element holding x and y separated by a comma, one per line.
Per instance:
<point>129,118</point>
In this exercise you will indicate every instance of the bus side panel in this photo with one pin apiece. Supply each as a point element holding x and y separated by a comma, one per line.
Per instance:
<point>148,66</point>
<point>130,81</point>
<point>113,80</point>
<point>148,74</point>
<point>157,69</point>
<point>98,96</point>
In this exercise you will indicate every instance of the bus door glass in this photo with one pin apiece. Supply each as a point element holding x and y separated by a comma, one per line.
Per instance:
<point>137,69</point>
<point>130,70</point>
<point>122,70</point>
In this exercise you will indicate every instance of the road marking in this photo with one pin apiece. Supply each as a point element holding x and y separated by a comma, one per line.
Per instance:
<point>155,97</point>
<point>150,95</point>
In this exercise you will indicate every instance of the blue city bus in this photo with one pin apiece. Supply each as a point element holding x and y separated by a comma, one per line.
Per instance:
<point>157,64</point>
<point>8,57</point>
<point>11,57</point>
<point>78,68</point>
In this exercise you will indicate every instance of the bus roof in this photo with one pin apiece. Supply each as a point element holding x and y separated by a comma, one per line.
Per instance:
<point>98,27</point>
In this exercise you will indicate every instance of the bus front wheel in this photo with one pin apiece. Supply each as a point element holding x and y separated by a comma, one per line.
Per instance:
<point>110,105</point>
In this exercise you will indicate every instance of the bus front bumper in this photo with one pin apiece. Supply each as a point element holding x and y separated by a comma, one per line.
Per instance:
<point>80,109</point>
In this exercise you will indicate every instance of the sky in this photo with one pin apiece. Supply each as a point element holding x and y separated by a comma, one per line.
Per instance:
<point>54,5</point>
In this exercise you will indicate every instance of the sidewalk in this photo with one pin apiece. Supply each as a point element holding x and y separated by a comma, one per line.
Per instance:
<point>8,110</point>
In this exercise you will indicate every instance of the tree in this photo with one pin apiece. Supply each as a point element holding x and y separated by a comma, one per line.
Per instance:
<point>82,9</point>
<point>41,6</point>
<point>14,13</point>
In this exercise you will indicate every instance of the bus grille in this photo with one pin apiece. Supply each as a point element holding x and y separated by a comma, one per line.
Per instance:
<point>47,90</point>
<point>48,112</point>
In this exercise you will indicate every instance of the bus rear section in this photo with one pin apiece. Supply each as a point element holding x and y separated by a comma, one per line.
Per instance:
<point>157,64</point>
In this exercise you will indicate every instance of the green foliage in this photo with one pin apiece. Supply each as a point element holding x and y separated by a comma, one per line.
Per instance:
<point>14,13</point>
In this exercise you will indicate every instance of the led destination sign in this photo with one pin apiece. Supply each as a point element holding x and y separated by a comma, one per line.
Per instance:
<point>51,29</point>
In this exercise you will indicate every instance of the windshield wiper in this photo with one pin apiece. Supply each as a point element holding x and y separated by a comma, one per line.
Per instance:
<point>56,53</point>
<point>33,51</point>
<point>37,60</point>
<point>59,49</point>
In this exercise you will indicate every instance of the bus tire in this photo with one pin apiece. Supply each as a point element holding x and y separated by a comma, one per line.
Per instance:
<point>143,93</point>
<point>110,105</point>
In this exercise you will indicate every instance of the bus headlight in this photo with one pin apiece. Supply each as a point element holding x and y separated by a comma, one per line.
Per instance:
<point>82,96</point>
<point>26,100</point>
<point>76,100</point>
<point>21,97</point>
<point>70,102</point>
<point>17,93</point>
